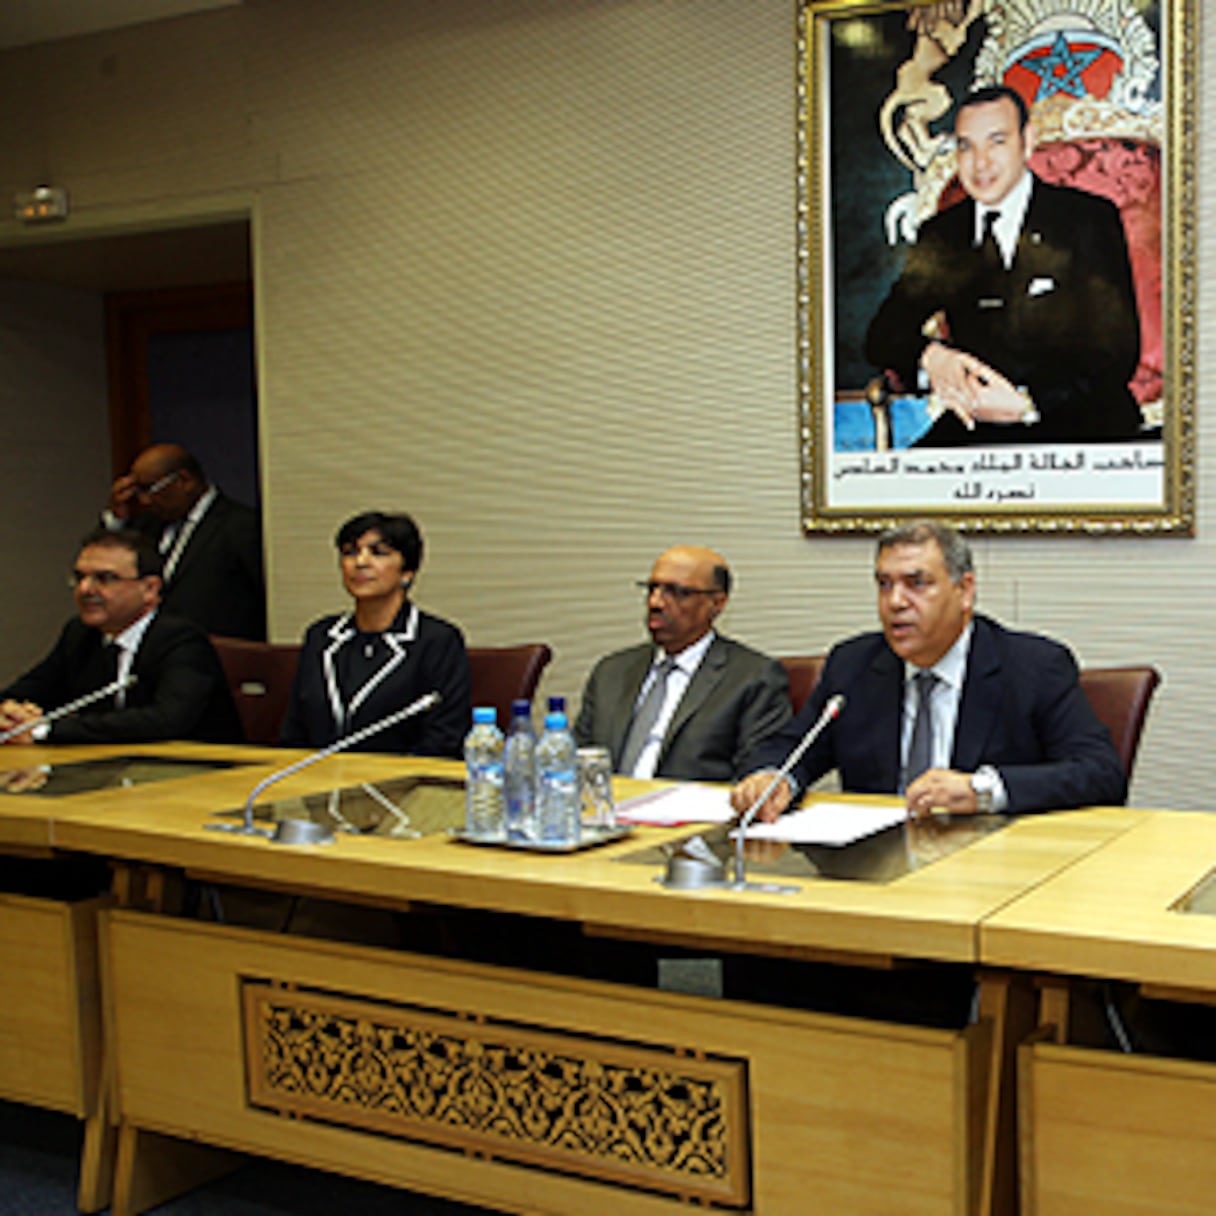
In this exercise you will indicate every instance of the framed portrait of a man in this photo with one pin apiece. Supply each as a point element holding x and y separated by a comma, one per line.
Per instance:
<point>996,318</point>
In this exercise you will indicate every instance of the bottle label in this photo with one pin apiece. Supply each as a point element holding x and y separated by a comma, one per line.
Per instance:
<point>557,806</point>
<point>484,809</point>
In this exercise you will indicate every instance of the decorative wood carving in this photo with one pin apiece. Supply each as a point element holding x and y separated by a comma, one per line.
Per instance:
<point>659,1119</point>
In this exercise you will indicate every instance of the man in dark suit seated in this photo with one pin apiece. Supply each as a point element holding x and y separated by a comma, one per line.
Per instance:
<point>692,704</point>
<point>1016,308</point>
<point>179,690</point>
<point>949,709</point>
<point>212,546</point>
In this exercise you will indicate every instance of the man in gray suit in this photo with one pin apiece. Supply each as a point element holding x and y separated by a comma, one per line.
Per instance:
<point>693,704</point>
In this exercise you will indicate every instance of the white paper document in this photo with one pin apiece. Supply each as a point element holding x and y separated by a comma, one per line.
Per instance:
<point>831,823</point>
<point>688,803</point>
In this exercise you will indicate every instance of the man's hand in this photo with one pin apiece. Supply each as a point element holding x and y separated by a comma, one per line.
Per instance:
<point>751,787</point>
<point>122,504</point>
<point>970,388</point>
<point>950,373</point>
<point>995,397</point>
<point>24,780</point>
<point>941,789</point>
<point>13,713</point>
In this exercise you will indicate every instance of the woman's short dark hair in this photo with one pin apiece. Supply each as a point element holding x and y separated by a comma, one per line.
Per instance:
<point>397,531</point>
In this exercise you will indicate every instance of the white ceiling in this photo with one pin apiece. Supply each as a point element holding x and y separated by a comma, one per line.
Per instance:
<point>23,22</point>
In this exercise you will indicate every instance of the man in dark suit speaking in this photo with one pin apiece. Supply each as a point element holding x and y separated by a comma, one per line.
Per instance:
<point>1016,309</point>
<point>179,690</point>
<point>692,704</point>
<point>212,546</point>
<point>945,707</point>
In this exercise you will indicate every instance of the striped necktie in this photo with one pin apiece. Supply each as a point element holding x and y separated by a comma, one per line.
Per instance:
<point>920,749</point>
<point>645,717</point>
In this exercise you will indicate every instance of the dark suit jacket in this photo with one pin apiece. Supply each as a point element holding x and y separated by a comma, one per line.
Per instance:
<point>1061,321</point>
<point>421,654</point>
<point>1022,711</point>
<point>218,581</point>
<point>180,693</point>
<point>736,699</point>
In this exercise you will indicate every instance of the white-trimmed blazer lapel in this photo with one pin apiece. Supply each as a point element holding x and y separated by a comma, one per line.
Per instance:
<point>341,632</point>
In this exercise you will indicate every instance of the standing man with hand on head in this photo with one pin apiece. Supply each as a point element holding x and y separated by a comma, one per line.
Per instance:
<point>948,708</point>
<point>1016,308</point>
<point>692,703</point>
<point>211,546</point>
<point>179,690</point>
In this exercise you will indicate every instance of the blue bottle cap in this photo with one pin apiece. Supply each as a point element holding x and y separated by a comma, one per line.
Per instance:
<point>557,705</point>
<point>521,709</point>
<point>485,713</point>
<point>555,721</point>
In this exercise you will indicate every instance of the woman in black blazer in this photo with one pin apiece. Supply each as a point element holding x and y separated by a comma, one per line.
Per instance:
<point>362,665</point>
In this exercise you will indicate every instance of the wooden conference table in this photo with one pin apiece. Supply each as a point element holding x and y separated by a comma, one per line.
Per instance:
<point>521,1089</point>
<point>1103,1131</point>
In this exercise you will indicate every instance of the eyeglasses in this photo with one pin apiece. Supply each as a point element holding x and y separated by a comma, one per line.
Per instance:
<point>102,578</point>
<point>159,484</point>
<point>674,591</point>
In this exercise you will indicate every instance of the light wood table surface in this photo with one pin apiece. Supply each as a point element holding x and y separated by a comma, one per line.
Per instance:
<point>931,913</point>
<point>1114,913</point>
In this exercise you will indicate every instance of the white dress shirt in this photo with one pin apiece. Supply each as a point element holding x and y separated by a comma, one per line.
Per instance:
<point>1008,226</point>
<point>173,543</point>
<point>686,664</point>
<point>951,672</point>
<point>128,643</point>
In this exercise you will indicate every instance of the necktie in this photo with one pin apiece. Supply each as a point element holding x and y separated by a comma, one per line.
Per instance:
<point>920,749</point>
<point>645,716</point>
<point>990,250</point>
<point>110,654</point>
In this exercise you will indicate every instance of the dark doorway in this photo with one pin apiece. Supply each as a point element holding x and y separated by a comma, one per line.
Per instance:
<point>182,371</point>
<point>159,287</point>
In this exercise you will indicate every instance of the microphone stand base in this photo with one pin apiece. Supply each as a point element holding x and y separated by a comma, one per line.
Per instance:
<point>764,888</point>
<point>238,829</point>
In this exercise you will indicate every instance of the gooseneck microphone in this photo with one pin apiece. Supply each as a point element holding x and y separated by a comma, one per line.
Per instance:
<point>831,710</point>
<point>99,694</point>
<point>246,826</point>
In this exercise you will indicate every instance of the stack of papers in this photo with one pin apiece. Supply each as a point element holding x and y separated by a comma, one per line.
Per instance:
<point>688,803</point>
<point>824,823</point>
<point>829,823</point>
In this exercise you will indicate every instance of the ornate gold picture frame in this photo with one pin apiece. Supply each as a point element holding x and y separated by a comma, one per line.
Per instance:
<point>1053,389</point>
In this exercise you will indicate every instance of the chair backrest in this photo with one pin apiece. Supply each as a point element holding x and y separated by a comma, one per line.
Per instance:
<point>259,675</point>
<point>1120,698</point>
<point>502,674</point>
<point>803,672</point>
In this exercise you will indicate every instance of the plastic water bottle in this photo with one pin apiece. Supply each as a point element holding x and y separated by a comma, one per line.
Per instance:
<point>484,809</point>
<point>557,804</point>
<point>521,773</point>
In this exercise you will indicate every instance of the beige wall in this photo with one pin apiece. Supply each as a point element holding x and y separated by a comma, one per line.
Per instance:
<point>55,452</point>
<point>526,269</point>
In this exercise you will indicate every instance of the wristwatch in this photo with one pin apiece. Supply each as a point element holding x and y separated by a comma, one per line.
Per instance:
<point>983,785</point>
